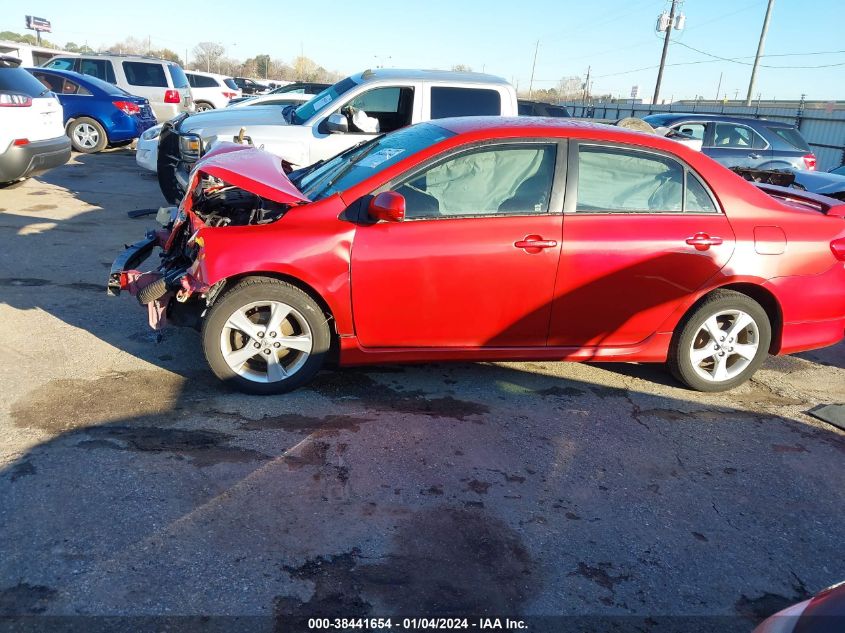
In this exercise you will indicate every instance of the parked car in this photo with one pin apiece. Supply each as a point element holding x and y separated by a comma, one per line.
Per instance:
<point>446,241</point>
<point>249,86</point>
<point>298,88</point>
<point>540,108</point>
<point>741,142</point>
<point>823,613</point>
<point>32,132</point>
<point>826,183</point>
<point>162,82</point>
<point>211,91</point>
<point>283,99</point>
<point>381,100</point>
<point>96,113</point>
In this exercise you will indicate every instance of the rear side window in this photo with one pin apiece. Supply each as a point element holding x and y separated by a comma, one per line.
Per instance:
<point>792,137</point>
<point>620,180</point>
<point>19,81</point>
<point>180,80</point>
<point>61,63</point>
<point>144,74</point>
<point>99,68</point>
<point>731,136</point>
<point>198,81</point>
<point>447,102</point>
<point>231,83</point>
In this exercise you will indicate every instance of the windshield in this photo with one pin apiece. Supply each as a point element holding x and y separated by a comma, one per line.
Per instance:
<point>327,96</point>
<point>362,161</point>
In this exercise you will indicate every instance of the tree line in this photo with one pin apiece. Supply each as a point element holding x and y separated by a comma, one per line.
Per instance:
<point>205,56</point>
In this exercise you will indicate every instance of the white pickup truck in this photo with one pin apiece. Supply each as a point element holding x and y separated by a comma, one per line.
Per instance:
<point>352,110</point>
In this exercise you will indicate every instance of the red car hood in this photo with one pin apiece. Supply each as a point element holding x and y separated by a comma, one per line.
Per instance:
<point>252,169</point>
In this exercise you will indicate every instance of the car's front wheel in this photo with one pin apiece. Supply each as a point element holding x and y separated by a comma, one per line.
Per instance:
<point>265,336</point>
<point>721,343</point>
<point>87,136</point>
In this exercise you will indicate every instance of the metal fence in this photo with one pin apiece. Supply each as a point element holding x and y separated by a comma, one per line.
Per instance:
<point>824,130</point>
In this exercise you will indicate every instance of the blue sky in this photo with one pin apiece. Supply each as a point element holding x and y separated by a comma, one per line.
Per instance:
<point>614,37</point>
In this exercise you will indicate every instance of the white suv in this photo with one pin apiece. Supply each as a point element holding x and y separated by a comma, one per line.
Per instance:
<point>32,129</point>
<point>162,82</point>
<point>210,91</point>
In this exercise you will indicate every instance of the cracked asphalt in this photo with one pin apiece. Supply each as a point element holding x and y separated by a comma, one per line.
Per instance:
<point>133,484</point>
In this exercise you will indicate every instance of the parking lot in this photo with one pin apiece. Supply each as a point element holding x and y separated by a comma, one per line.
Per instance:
<point>133,483</point>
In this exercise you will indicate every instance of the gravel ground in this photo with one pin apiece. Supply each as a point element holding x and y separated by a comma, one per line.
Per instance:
<point>132,484</point>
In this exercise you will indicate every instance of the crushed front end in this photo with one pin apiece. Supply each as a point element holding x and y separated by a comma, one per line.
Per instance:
<point>232,186</point>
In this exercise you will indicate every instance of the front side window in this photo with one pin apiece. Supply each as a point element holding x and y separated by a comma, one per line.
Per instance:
<point>693,130</point>
<point>99,68</point>
<point>448,102</point>
<point>391,106</point>
<point>500,180</point>
<point>144,74</point>
<point>621,180</point>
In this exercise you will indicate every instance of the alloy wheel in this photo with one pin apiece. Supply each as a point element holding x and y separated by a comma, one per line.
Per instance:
<point>266,341</point>
<point>86,135</point>
<point>724,346</point>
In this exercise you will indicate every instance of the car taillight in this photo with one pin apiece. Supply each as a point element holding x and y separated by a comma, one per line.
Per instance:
<point>20,142</point>
<point>14,100</point>
<point>810,160</point>
<point>230,95</point>
<point>172,96</point>
<point>127,106</point>
<point>838,248</point>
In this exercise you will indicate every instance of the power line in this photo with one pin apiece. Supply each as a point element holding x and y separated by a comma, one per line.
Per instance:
<point>737,60</point>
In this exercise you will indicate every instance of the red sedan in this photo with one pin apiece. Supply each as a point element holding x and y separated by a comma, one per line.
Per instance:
<point>493,239</point>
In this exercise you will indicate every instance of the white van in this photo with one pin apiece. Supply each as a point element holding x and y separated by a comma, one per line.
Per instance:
<point>162,82</point>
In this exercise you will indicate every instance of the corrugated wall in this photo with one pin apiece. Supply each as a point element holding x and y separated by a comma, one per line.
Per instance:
<point>824,131</point>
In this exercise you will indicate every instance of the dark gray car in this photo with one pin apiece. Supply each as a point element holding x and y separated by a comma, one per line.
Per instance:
<point>740,141</point>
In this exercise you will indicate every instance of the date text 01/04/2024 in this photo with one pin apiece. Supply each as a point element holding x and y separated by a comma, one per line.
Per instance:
<point>431,624</point>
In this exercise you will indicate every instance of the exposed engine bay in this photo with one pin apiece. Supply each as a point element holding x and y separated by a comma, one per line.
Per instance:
<point>218,204</point>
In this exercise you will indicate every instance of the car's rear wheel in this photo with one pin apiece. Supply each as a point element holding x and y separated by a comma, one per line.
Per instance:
<point>720,343</point>
<point>86,135</point>
<point>265,336</point>
<point>203,106</point>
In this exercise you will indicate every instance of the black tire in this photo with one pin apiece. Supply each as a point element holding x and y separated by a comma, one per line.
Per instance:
<point>203,106</point>
<point>256,290</point>
<point>718,303</point>
<point>87,136</point>
<point>150,293</point>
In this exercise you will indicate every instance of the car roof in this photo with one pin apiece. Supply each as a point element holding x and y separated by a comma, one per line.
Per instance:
<point>543,126</point>
<point>70,74</point>
<point>205,74</point>
<point>393,74</point>
<point>726,118</point>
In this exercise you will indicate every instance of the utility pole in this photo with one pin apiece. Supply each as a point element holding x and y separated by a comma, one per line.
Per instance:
<point>719,87</point>
<point>533,66</point>
<point>760,46</point>
<point>665,50</point>
<point>587,86</point>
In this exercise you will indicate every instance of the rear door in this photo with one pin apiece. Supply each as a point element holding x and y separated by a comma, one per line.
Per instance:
<point>474,262</point>
<point>640,233</point>
<point>736,145</point>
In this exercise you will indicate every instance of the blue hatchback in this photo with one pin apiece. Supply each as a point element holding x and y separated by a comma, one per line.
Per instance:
<point>97,113</point>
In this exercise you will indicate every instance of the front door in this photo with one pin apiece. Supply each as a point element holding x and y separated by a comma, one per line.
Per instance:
<point>473,263</point>
<point>641,234</point>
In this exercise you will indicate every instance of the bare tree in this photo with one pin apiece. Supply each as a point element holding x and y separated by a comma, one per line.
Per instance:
<point>207,56</point>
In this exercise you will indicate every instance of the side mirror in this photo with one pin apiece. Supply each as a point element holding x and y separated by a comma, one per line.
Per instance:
<point>337,124</point>
<point>388,206</point>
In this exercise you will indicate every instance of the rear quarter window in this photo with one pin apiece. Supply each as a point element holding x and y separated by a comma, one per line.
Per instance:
<point>231,83</point>
<point>448,102</point>
<point>791,137</point>
<point>180,80</point>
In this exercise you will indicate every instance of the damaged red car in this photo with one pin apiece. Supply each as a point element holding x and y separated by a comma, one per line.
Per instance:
<point>492,239</point>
